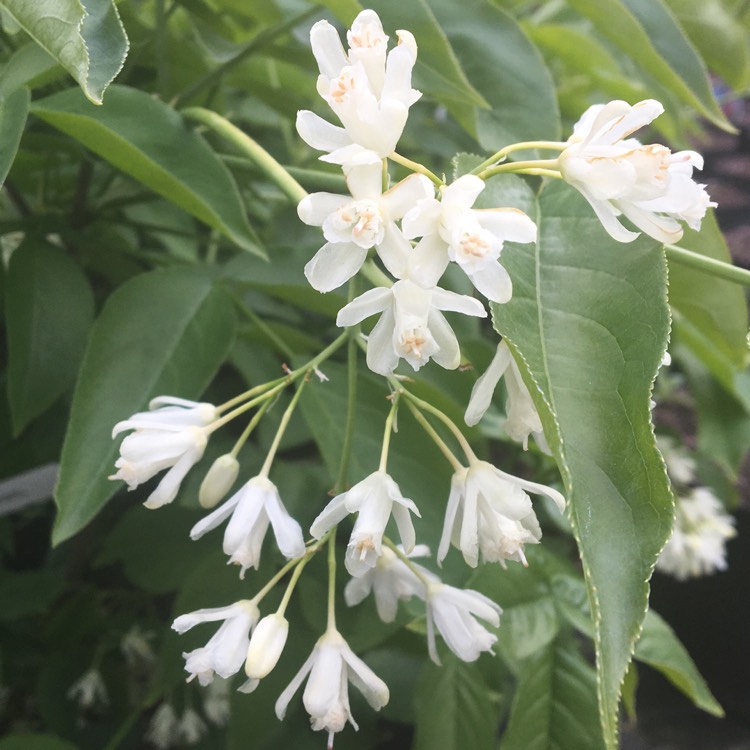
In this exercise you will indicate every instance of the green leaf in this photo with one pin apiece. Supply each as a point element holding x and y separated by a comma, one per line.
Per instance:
<point>438,71</point>
<point>505,67</point>
<point>589,323</point>
<point>13,112</point>
<point>150,141</point>
<point>163,332</point>
<point>85,36</point>
<point>647,32</point>
<point>718,36</point>
<point>35,742</point>
<point>660,648</point>
<point>453,708</point>
<point>555,703</point>
<point>28,593</point>
<point>25,66</point>
<point>49,310</point>
<point>714,309</point>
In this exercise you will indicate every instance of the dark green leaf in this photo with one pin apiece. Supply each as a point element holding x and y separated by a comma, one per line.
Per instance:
<point>149,141</point>
<point>164,332</point>
<point>85,36</point>
<point>647,32</point>
<point>660,648</point>
<point>589,323</point>
<point>35,742</point>
<point>453,708</point>
<point>49,310</point>
<point>555,703</point>
<point>28,63</point>
<point>13,112</point>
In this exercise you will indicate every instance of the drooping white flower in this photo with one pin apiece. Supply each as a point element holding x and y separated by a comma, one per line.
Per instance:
<point>411,326</point>
<point>266,644</point>
<point>451,230</point>
<point>331,666</point>
<point>216,704</point>
<point>136,646</point>
<point>489,512</point>
<point>369,91</point>
<point>454,613</point>
<point>252,508</point>
<point>374,499</point>
<point>390,581</point>
<point>352,224</point>
<point>170,436</point>
<point>162,729</point>
<point>89,690</point>
<point>225,653</point>
<point>190,727</point>
<point>650,185</point>
<point>522,419</point>
<point>697,546</point>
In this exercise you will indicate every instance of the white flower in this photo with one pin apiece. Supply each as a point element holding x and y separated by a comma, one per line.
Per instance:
<point>454,611</point>
<point>489,511</point>
<point>650,185</point>
<point>218,480</point>
<point>266,644</point>
<point>680,464</point>
<point>369,92</point>
<point>352,224</point>
<point>170,436</point>
<point>162,729</point>
<point>522,418</point>
<point>136,646</point>
<point>225,653</point>
<point>191,728</point>
<point>452,230</point>
<point>331,666</point>
<point>216,701</point>
<point>89,690</point>
<point>251,509</point>
<point>411,326</point>
<point>390,581</point>
<point>374,499</point>
<point>697,546</point>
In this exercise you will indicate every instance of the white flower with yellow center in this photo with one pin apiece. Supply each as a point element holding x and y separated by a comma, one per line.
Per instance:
<point>352,224</point>
<point>650,185</point>
<point>451,230</point>
<point>369,91</point>
<point>411,327</point>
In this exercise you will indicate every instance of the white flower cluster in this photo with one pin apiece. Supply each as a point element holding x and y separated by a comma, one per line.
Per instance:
<point>370,92</point>
<point>702,527</point>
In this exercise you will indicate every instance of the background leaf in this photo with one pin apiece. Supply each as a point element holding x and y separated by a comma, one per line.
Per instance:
<point>13,112</point>
<point>149,141</point>
<point>49,310</point>
<point>164,332</point>
<point>85,36</point>
<point>589,321</point>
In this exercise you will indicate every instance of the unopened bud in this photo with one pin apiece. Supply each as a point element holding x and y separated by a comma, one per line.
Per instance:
<point>266,644</point>
<point>218,480</point>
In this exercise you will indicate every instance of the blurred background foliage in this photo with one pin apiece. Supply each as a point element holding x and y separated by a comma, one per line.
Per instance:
<point>165,261</point>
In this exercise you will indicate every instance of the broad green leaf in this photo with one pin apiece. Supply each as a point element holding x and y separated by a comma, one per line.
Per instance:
<point>714,309</point>
<point>27,65</point>
<point>28,593</point>
<point>345,10</point>
<point>439,71</point>
<point>453,708</point>
<point>149,141</point>
<point>555,703</point>
<point>647,32</point>
<point>660,648</point>
<point>35,742</point>
<point>718,36</point>
<point>589,323</point>
<point>164,332</point>
<point>49,310</point>
<point>13,112</point>
<point>85,36</point>
<point>505,67</point>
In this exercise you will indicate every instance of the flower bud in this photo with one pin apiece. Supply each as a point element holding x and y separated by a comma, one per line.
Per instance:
<point>218,480</point>
<point>266,644</point>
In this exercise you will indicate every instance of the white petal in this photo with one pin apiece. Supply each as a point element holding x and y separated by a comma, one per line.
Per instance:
<point>493,282</point>
<point>639,115</point>
<point>358,589</point>
<point>443,299</point>
<point>428,261</point>
<point>394,250</point>
<point>287,531</point>
<point>662,228</point>
<point>484,388</point>
<point>423,219</point>
<point>365,680</point>
<point>448,354</point>
<point>334,264</point>
<point>397,81</point>
<point>381,355</point>
<point>607,215</point>
<point>364,176</point>
<point>454,500</point>
<point>463,192</point>
<point>406,194</point>
<point>327,49</point>
<point>405,526</point>
<point>217,517</point>
<point>335,512</point>
<point>283,700</point>
<point>320,134</point>
<point>367,304</point>
<point>315,208</point>
<point>510,224</point>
